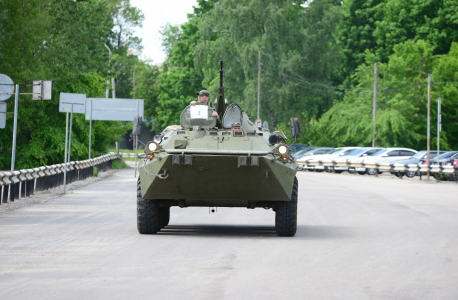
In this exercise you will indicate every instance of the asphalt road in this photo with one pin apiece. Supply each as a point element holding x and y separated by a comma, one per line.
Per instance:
<point>358,237</point>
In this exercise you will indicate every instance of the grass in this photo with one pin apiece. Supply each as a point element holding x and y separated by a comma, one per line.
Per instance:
<point>129,158</point>
<point>96,172</point>
<point>119,164</point>
<point>141,148</point>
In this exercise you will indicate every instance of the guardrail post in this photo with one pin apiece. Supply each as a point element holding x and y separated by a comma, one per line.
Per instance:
<point>12,192</point>
<point>28,190</point>
<point>5,193</point>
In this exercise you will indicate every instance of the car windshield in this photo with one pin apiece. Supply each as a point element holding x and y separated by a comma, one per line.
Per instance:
<point>379,153</point>
<point>335,151</point>
<point>357,152</point>
<point>303,151</point>
<point>447,155</point>
<point>346,152</point>
<point>419,154</point>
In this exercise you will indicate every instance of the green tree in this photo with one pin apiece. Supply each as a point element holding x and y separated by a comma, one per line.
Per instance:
<point>355,34</point>
<point>435,21</point>
<point>179,79</point>
<point>299,55</point>
<point>63,41</point>
<point>401,102</point>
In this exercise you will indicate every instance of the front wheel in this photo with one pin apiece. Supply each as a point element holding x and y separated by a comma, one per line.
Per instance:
<point>147,213</point>
<point>286,214</point>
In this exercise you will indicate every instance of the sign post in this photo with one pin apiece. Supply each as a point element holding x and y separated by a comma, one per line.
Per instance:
<point>105,109</point>
<point>70,103</point>
<point>42,90</point>
<point>13,155</point>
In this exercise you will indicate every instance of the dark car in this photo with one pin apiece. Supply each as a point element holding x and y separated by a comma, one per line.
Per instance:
<point>448,157</point>
<point>297,147</point>
<point>420,157</point>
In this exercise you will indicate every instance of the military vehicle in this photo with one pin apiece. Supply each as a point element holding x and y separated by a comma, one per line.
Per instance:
<point>222,161</point>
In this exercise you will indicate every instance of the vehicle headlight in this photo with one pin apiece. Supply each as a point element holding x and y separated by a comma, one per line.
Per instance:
<point>152,147</point>
<point>282,149</point>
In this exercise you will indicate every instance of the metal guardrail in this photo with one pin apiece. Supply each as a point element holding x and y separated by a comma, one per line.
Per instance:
<point>48,177</point>
<point>383,167</point>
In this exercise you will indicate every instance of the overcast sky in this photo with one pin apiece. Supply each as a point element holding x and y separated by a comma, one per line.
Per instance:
<point>158,13</point>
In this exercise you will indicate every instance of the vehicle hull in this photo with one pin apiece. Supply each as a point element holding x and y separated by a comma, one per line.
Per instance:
<point>217,180</point>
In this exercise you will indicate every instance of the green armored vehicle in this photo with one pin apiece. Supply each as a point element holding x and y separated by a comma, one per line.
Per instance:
<point>223,161</point>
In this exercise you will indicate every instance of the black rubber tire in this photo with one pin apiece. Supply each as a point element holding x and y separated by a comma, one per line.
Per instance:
<point>351,171</point>
<point>319,170</point>
<point>147,213</point>
<point>164,216</point>
<point>372,172</point>
<point>361,172</point>
<point>411,174</point>
<point>286,214</point>
<point>338,171</point>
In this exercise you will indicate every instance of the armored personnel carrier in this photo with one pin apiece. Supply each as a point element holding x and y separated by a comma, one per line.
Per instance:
<point>223,161</point>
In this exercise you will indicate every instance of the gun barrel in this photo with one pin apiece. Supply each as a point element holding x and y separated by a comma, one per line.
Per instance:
<point>221,73</point>
<point>221,99</point>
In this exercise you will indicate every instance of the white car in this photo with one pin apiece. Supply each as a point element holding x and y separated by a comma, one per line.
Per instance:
<point>329,156</point>
<point>387,155</point>
<point>363,152</point>
<point>312,152</point>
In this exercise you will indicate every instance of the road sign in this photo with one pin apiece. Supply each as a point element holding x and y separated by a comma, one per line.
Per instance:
<point>258,123</point>
<point>42,91</point>
<point>2,114</point>
<point>265,125</point>
<point>77,100</point>
<point>6,87</point>
<point>113,109</point>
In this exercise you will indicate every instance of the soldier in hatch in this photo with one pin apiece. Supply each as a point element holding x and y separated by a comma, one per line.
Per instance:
<point>202,98</point>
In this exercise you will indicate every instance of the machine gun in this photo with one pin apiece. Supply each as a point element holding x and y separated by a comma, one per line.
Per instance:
<point>221,101</point>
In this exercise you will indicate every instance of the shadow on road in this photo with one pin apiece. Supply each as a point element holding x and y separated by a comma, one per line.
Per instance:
<point>218,230</point>
<point>303,232</point>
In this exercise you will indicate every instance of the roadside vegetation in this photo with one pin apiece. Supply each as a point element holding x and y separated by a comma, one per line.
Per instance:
<point>317,64</point>
<point>119,164</point>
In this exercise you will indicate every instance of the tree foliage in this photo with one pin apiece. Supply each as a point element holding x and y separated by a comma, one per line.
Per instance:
<point>63,41</point>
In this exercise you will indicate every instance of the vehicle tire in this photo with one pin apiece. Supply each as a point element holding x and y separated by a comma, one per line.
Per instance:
<point>319,170</point>
<point>164,216</point>
<point>311,170</point>
<point>362,172</point>
<point>286,214</point>
<point>411,174</point>
<point>351,171</point>
<point>372,171</point>
<point>147,213</point>
<point>337,171</point>
<point>396,174</point>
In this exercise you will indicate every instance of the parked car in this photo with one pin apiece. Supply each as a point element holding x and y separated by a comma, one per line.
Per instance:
<point>420,157</point>
<point>297,147</point>
<point>363,152</point>
<point>446,158</point>
<point>300,153</point>
<point>387,155</point>
<point>307,154</point>
<point>330,155</point>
